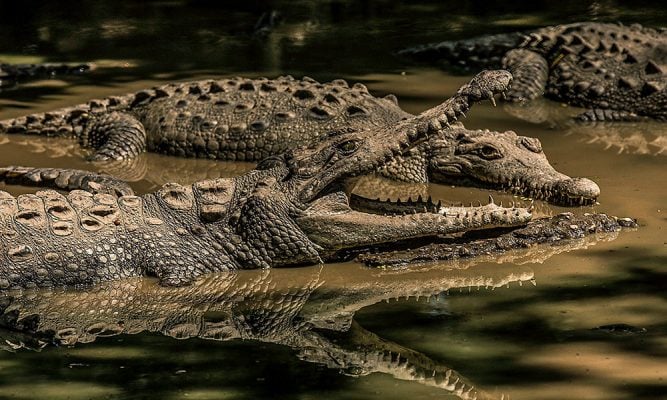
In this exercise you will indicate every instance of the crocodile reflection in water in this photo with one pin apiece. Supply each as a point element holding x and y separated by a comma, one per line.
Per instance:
<point>639,138</point>
<point>310,310</point>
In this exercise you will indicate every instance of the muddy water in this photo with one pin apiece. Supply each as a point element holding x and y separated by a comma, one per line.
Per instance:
<point>521,326</point>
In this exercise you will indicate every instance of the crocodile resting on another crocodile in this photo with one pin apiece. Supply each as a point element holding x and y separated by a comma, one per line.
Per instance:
<point>616,72</point>
<point>251,119</point>
<point>310,310</point>
<point>290,212</point>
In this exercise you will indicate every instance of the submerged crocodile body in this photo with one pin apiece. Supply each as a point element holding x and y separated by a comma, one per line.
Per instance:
<point>310,310</point>
<point>11,74</point>
<point>616,72</point>
<point>251,119</point>
<point>290,212</point>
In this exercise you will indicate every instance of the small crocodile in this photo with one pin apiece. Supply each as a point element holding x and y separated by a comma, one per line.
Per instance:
<point>617,72</point>
<point>291,211</point>
<point>11,74</point>
<point>251,119</point>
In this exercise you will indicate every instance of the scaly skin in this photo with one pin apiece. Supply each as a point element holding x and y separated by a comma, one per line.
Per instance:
<point>557,230</point>
<point>248,120</point>
<point>284,214</point>
<point>310,310</point>
<point>617,72</point>
<point>11,74</point>
<point>457,156</point>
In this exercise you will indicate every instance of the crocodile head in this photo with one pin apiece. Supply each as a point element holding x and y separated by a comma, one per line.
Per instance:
<point>505,161</point>
<point>345,155</point>
<point>306,193</point>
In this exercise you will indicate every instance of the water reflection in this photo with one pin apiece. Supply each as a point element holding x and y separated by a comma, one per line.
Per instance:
<point>647,138</point>
<point>310,310</point>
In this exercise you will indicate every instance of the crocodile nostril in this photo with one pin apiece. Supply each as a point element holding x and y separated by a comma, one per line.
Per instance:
<point>579,187</point>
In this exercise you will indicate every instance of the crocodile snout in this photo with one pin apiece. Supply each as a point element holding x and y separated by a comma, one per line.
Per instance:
<point>578,190</point>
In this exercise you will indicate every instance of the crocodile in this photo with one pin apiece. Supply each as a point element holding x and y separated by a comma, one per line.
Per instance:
<point>290,211</point>
<point>616,72</point>
<point>310,310</point>
<point>251,119</point>
<point>11,74</point>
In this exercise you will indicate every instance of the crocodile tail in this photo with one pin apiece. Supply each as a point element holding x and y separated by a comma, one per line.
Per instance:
<point>68,121</point>
<point>64,179</point>
<point>64,122</point>
<point>478,52</point>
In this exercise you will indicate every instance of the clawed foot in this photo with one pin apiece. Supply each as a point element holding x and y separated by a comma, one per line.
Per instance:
<point>486,85</point>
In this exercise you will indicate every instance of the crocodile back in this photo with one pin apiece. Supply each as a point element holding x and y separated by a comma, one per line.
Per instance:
<point>606,66</point>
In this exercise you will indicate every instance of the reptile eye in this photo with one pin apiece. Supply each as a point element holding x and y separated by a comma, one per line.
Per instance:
<point>532,144</point>
<point>348,147</point>
<point>488,152</point>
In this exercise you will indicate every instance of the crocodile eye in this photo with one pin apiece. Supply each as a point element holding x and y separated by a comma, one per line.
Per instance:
<point>488,152</point>
<point>532,144</point>
<point>348,147</point>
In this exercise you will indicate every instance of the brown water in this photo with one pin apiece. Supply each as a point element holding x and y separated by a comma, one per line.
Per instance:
<point>510,340</point>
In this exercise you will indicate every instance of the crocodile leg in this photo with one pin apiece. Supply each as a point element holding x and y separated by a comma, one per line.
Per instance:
<point>65,179</point>
<point>530,71</point>
<point>114,136</point>
<point>334,225</point>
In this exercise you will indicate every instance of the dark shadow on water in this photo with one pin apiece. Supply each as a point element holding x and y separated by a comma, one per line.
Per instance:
<point>326,39</point>
<point>628,272</point>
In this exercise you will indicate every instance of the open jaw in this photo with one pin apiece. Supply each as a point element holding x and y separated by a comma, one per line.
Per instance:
<point>335,223</point>
<point>352,154</point>
<point>327,217</point>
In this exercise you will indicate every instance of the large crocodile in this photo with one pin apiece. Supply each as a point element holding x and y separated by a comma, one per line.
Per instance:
<point>617,72</point>
<point>250,119</point>
<point>11,74</point>
<point>310,310</point>
<point>290,212</point>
